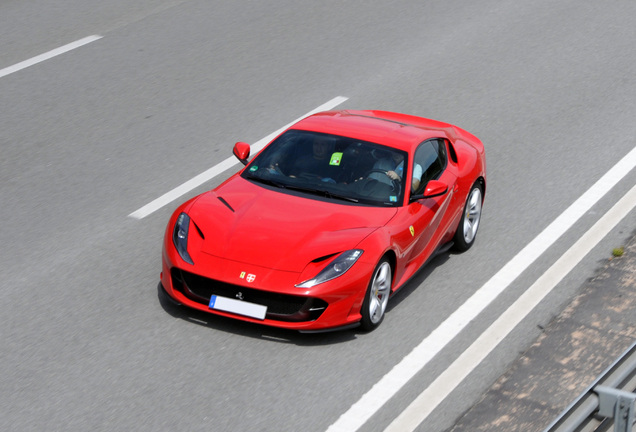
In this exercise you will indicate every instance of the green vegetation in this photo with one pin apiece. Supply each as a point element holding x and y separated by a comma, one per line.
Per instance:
<point>618,252</point>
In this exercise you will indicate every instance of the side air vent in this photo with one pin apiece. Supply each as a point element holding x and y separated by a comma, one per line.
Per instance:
<point>453,153</point>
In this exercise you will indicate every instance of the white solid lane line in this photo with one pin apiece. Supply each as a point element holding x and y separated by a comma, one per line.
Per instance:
<point>445,383</point>
<point>223,166</point>
<point>47,55</point>
<point>415,361</point>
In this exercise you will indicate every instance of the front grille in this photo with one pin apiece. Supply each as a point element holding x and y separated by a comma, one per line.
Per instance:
<point>280,307</point>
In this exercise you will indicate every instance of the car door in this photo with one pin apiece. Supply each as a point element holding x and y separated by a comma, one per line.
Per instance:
<point>429,216</point>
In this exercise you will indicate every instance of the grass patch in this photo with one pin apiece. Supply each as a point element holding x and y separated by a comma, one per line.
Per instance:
<point>618,252</point>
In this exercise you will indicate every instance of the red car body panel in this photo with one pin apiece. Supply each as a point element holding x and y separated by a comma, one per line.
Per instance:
<point>240,234</point>
<point>281,239</point>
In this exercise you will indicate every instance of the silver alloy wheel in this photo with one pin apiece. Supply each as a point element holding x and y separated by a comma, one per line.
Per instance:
<point>473,215</point>
<point>379,292</point>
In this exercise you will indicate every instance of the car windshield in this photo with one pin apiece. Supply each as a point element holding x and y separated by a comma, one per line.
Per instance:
<point>331,166</point>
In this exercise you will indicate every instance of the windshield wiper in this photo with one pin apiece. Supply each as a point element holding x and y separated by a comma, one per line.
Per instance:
<point>322,192</point>
<point>319,192</point>
<point>267,181</point>
<point>341,197</point>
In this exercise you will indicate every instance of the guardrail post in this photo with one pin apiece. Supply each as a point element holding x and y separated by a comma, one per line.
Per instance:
<point>616,404</point>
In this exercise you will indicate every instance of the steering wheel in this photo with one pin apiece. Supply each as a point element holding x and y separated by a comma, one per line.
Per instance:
<point>395,184</point>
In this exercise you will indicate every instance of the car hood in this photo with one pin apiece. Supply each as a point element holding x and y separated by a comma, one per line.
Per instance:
<point>244,222</point>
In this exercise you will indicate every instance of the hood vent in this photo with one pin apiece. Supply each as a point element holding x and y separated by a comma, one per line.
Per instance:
<point>198,229</point>
<point>324,258</point>
<point>226,204</point>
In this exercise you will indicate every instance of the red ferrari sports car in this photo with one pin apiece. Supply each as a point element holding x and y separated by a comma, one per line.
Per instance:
<point>330,219</point>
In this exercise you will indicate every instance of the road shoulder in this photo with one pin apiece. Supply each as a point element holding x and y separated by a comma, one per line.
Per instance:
<point>577,346</point>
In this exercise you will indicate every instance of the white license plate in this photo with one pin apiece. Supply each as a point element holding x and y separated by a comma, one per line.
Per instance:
<point>238,307</point>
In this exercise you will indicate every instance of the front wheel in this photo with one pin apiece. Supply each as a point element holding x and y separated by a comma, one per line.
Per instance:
<point>469,223</point>
<point>377,296</point>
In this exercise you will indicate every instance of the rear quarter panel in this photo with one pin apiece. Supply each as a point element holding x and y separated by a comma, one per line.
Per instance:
<point>471,162</point>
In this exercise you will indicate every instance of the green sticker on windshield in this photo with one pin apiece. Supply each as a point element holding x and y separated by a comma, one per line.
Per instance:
<point>336,158</point>
<point>253,168</point>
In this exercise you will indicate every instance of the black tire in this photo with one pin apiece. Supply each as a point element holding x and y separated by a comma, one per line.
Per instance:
<point>377,296</point>
<point>471,217</point>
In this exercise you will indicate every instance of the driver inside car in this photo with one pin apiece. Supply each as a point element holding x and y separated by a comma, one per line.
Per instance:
<point>393,164</point>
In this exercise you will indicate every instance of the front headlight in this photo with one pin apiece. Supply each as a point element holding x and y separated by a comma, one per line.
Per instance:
<point>180,237</point>
<point>336,268</point>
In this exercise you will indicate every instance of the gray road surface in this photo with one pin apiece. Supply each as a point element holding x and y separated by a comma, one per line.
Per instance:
<point>92,135</point>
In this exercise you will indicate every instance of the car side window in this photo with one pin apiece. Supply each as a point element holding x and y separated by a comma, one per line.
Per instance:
<point>429,163</point>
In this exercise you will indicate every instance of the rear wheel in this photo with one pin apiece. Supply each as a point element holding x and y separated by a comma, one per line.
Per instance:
<point>377,296</point>
<point>469,223</point>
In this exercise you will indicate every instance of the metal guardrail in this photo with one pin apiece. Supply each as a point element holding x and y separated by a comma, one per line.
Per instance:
<point>607,403</point>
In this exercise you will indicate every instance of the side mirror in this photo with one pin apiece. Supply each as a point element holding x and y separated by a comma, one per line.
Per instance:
<point>434,188</point>
<point>242,152</point>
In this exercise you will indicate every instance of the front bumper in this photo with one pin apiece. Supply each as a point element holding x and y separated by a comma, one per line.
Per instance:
<point>327,306</point>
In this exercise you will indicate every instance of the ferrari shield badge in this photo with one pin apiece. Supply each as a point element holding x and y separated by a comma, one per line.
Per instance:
<point>248,277</point>
<point>412,231</point>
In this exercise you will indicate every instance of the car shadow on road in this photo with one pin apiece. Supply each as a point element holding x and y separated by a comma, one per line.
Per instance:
<point>418,279</point>
<point>247,329</point>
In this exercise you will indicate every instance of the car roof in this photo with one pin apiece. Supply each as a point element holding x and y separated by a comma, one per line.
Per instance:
<point>388,128</point>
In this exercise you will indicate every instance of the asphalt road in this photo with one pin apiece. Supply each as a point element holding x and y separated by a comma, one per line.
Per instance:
<point>92,135</point>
